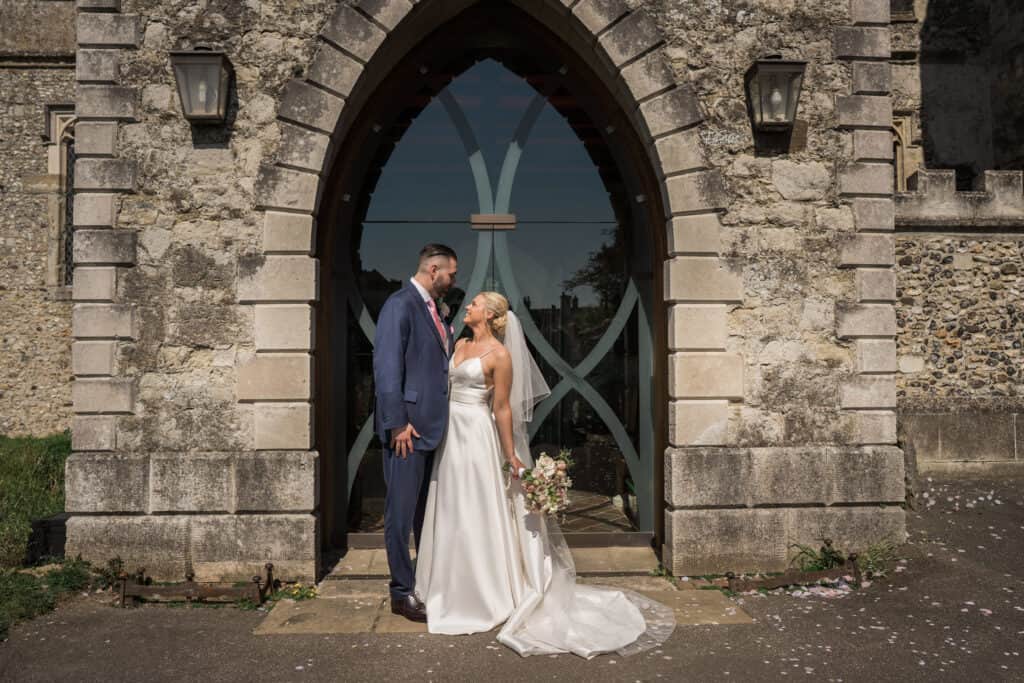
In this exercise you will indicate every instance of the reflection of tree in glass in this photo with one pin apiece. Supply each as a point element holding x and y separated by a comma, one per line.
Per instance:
<point>604,270</point>
<point>605,273</point>
<point>455,298</point>
<point>376,288</point>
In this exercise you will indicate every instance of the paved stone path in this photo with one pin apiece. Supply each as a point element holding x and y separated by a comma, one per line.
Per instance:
<point>362,606</point>
<point>353,598</point>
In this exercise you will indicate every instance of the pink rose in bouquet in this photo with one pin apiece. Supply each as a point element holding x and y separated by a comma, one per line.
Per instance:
<point>546,485</point>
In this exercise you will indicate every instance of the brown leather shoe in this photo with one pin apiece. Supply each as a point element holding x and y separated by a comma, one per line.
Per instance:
<point>409,607</point>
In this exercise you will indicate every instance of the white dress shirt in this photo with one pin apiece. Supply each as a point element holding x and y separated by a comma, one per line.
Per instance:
<point>427,299</point>
<point>423,292</point>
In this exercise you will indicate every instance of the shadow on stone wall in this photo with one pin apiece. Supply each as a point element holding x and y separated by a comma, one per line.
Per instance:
<point>218,136</point>
<point>972,87</point>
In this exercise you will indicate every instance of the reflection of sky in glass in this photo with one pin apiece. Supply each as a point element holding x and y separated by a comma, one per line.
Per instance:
<point>392,248</point>
<point>541,268</point>
<point>428,178</point>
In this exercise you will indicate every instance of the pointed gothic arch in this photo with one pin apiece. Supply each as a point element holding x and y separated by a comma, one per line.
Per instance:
<point>360,45</point>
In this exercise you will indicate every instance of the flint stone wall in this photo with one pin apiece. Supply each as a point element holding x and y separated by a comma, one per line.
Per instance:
<point>961,326</point>
<point>958,74</point>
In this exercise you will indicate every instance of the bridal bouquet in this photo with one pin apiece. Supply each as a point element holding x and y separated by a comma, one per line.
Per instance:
<point>546,485</point>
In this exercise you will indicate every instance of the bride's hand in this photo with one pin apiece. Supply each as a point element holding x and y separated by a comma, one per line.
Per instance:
<point>517,465</point>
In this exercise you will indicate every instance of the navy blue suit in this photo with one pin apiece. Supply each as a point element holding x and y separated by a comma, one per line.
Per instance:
<point>410,372</point>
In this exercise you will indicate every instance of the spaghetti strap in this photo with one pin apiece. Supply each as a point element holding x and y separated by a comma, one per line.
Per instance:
<point>486,352</point>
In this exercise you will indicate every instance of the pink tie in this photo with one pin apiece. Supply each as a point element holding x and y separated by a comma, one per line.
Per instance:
<point>437,321</point>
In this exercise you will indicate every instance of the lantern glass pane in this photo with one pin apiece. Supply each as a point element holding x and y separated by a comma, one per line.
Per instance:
<point>774,97</point>
<point>181,80</point>
<point>777,94</point>
<point>199,85</point>
<point>795,83</point>
<point>222,92</point>
<point>204,89</point>
<point>754,95</point>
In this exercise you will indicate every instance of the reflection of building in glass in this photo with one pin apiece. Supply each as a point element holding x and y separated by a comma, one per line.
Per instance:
<point>573,331</point>
<point>375,289</point>
<point>558,324</point>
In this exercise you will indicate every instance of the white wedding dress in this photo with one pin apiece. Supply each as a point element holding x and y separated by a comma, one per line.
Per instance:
<point>484,561</point>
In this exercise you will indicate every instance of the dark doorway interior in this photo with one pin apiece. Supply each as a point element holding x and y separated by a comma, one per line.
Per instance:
<point>972,87</point>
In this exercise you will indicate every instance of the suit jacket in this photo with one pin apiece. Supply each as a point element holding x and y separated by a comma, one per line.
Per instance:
<point>410,370</point>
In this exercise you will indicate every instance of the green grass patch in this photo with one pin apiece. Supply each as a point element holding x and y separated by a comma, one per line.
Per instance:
<point>24,595</point>
<point>877,557</point>
<point>71,576</point>
<point>873,560</point>
<point>31,487</point>
<point>661,571</point>
<point>810,560</point>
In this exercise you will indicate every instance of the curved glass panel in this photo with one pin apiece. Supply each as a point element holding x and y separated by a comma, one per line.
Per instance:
<point>493,100</point>
<point>425,179</point>
<point>600,499</point>
<point>572,280</point>
<point>555,157</point>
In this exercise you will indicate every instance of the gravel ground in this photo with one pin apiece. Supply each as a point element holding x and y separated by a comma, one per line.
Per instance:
<point>952,610</point>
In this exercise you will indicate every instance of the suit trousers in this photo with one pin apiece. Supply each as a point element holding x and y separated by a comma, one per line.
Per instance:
<point>408,481</point>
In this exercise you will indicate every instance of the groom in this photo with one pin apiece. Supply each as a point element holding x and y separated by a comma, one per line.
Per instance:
<point>410,371</point>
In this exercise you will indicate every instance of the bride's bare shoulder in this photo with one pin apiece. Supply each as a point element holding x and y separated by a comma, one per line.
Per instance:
<point>497,357</point>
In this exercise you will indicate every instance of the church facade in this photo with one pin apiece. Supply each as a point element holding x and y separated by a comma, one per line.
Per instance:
<point>748,329</point>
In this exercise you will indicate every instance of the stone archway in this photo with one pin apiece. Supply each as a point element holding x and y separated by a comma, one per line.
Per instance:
<point>358,45</point>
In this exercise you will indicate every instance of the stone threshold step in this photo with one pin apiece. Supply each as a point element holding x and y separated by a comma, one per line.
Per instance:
<point>575,539</point>
<point>353,606</point>
<point>614,561</point>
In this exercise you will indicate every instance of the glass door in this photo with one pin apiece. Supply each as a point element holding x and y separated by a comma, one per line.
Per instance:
<point>576,267</point>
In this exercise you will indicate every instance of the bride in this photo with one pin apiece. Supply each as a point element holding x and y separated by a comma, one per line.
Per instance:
<point>484,560</point>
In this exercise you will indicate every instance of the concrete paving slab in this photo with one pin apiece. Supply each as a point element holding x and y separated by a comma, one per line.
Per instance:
<point>355,563</point>
<point>343,614</point>
<point>353,588</point>
<point>320,616</point>
<point>618,561</point>
<point>698,607</point>
<point>633,583</point>
<point>361,606</point>
<point>379,562</point>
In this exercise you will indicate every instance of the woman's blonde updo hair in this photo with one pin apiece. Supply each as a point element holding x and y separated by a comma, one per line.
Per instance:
<point>498,305</point>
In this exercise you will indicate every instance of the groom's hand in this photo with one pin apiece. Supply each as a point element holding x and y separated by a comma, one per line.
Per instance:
<point>401,440</point>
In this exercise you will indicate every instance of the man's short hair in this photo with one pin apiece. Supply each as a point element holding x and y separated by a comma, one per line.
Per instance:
<point>431,250</point>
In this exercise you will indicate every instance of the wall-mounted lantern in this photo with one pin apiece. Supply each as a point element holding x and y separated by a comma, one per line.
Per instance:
<point>203,76</point>
<point>773,92</point>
